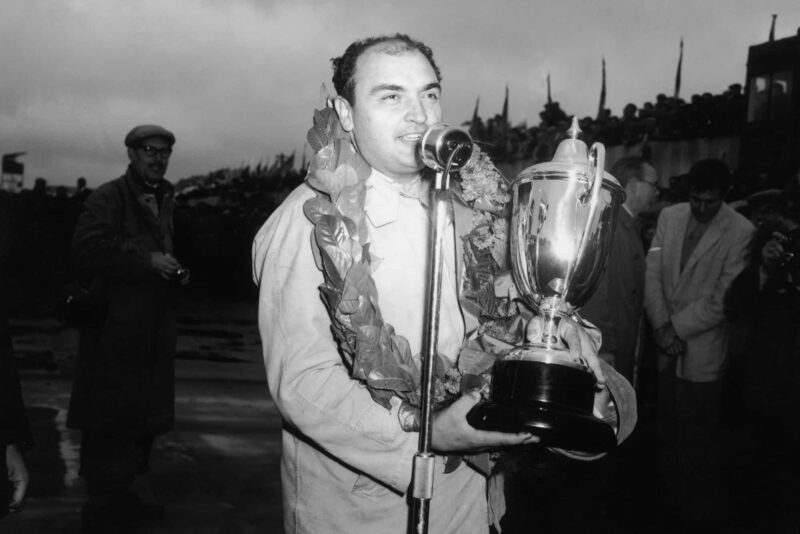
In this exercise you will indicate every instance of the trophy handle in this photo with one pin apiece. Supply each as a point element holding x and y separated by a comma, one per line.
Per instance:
<point>597,162</point>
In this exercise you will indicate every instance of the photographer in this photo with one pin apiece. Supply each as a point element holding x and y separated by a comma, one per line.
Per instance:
<point>763,304</point>
<point>123,394</point>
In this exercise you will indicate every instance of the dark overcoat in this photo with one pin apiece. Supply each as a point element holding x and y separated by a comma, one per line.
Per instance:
<point>124,376</point>
<point>617,305</point>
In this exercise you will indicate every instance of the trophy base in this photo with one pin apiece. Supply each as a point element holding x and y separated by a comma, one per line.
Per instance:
<point>551,401</point>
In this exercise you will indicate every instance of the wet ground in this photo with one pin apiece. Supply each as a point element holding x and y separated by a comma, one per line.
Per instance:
<point>218,470</point>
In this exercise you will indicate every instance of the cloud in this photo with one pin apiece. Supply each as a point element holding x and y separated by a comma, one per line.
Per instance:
<point>237,80</point>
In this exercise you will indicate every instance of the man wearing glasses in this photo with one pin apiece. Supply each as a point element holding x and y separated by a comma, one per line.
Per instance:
<point>123,393</point>
<point>617,305</point>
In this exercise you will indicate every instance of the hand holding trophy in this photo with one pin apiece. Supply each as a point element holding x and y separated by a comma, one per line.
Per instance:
<point>563,218</point>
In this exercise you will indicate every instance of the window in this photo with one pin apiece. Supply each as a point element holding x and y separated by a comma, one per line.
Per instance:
<point>770,96</point>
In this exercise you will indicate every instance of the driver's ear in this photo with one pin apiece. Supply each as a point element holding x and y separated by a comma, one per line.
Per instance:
<point>345,113</point>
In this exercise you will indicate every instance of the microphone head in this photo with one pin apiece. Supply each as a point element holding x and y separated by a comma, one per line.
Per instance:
<point>441,142</point>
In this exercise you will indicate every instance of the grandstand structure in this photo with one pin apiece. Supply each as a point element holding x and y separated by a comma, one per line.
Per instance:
<point>770,140</point>
<point>13,172</point>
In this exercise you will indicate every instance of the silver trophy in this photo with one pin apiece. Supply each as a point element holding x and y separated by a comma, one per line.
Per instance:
<point>562,223</point>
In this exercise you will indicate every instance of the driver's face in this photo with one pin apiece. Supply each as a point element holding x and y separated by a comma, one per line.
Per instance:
<point>396,100</point>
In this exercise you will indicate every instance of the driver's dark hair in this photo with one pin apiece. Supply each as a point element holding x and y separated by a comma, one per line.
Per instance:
<point>710,175</point>
<point>344,67</point>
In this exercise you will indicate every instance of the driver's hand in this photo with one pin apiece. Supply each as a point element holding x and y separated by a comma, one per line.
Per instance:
<point>580,344</point>
<point>452,433</point>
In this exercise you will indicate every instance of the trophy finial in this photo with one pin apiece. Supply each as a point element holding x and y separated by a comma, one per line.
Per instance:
<point>572,149</point>
<point>574,130</point>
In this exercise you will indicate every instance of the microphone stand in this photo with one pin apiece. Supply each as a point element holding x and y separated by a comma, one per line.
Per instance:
<point>424,460</point>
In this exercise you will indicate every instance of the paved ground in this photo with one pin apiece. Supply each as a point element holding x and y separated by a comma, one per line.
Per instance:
<point>217,471</point>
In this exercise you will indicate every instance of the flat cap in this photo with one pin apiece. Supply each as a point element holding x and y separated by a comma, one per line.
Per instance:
<point>770,197</point>
<point>143,131</point>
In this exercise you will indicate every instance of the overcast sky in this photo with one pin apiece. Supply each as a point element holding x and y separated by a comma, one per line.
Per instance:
<point>237,80</point>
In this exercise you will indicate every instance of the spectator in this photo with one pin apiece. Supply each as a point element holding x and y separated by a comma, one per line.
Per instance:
<point>123,395</point>
<point>763,305</point>
<point>698,249</point>
<point>15,434</point>
<point>617,305</point>
<point>82,192</point>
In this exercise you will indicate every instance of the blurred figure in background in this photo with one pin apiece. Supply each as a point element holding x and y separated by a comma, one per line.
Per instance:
<point>763,305</point>
<point>123,394</point>
<point>15,434</point>
<point>699,248</point>
<point>617,306</point>
<point>82,191</point>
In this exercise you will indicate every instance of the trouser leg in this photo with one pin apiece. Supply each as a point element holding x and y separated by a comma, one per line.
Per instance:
<point>109,464</point>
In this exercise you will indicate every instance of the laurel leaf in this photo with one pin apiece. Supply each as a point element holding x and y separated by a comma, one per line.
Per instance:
<point>351,198</point>
<point>474,360</point>
<point>315,208</point>
<point>391,377</point>
<point>331,233</point>
<point>349,302</point>
<point>326,128</point>
<point>324,160</point>
<point>382,397</point>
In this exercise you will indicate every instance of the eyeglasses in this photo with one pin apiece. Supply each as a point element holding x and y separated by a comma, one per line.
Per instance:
<point>653,187</point>
<point>651,184</point>
<point>151,151</point>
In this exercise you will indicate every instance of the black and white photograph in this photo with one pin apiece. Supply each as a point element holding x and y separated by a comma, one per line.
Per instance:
<point>431,267</point>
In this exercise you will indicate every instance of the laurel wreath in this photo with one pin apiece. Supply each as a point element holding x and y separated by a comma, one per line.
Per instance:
<point>375,354</point>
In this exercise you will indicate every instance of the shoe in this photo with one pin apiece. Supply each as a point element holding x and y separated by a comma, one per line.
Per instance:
<point>131,508</point>
<point>102,518</point>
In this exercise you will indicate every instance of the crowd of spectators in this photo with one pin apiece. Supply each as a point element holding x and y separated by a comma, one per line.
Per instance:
<point>216,217</point>
<point>217,214</point>
<point>667,119</point>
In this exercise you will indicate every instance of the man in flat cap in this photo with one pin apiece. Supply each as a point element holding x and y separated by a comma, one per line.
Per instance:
<point>123,393</point>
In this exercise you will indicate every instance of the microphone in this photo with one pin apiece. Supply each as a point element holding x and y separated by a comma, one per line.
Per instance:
<point>441,142</point>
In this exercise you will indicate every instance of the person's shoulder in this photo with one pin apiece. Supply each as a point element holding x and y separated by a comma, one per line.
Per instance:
<point>285,232</point>
<point>289,215</point>
<point>292,205</point>
<point>674,211</point>
<point>108,190</point>
<point>738,221</point>
<point>297,198</point>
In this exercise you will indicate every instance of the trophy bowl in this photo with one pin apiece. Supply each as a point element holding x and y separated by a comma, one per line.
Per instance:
<point>563,219</point>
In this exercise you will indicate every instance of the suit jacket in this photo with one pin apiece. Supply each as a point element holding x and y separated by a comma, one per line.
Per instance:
<point>692,298</point>
<point>616,306</point>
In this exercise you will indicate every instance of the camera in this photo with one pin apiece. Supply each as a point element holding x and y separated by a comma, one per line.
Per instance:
<point>790,259</point>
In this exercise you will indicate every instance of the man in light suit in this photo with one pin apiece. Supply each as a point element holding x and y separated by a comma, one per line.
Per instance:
<point>698,250</point>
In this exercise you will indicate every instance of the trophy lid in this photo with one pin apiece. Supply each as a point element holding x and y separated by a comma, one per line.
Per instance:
<point>572,156</point>
<point>572,150</point>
